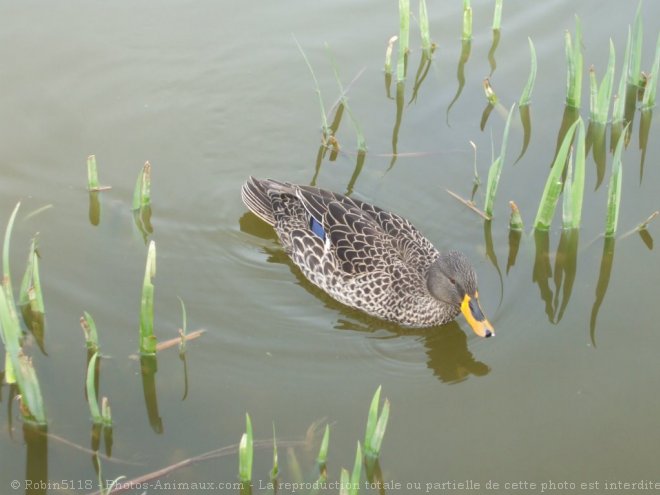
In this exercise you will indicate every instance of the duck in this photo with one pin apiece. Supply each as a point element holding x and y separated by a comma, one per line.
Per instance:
<point>368,258</point>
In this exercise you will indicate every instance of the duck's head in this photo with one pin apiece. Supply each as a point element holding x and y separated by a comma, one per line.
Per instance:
<point>452,280</point>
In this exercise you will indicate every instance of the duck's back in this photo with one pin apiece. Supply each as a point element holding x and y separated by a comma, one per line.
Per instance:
<point>360,254</point>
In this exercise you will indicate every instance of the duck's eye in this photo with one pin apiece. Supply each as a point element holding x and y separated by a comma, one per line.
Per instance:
<point>453,282</point>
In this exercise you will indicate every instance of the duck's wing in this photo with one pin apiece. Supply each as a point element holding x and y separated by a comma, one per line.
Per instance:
<point>358,243</point>
<point>413,248</point>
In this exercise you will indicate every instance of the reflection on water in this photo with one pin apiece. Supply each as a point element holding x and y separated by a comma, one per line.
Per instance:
<point>448,356</point>
<point>36,458</point>
<point>422,71</point>
<point>606,262</point>
<point>148,369</point>
<point>466,46</point>
<point>491,52</point>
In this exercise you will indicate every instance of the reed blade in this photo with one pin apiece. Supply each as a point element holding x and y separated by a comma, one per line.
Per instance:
<point>614,190</point>
<point>425,34</point>
<point>553,185</point>
<point>574,187</point>
<point>495,170</point>
<point>246,452</point>
<point>574,62</point>
<point>92,174</point>
<point>404,39</point>
<point>526,96</point>
<point>635,67</point>
<point>323,450</point>
<point>467,21</point>
<point>148,341</point>
<point>648,101</point>
<point>497,15</point>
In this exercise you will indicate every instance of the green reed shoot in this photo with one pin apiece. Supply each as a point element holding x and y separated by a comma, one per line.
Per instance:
<point>635,68</point>
<point>274,472</point>
<point>497,15</point>
<point>183,331</point>
<point>614,190</point>
<point>6,280</point>
<point>515,221</point>
<point>142,192</point>
<point>30,293</point>
<point>619,107</point>
<point>344,483</point>
<point>476,181</point>
<point>325,128</point>
<point>425,33</point>
<point>361,143</point>
<point>32,404</point>
<point>490,93</point>
<point>388,54</point>
<point>323,450</point>
<point>376,425</point>
<point>648,101</point>
<point>246,452</point>
<point>18,367</point>
<point>147,338</point>
<point>9,331</point>
<point>496,168</point>
<point>404,39</point>
<point>574,183</point>
<point>467,21</point>
<point>601,95</point>
<point>92,174</point>
<point>574,62</point>
<point>89,329</point>
<point>100,416</point>
<point>526,96</point>
<point>553,185</point>
<point>357,471</point>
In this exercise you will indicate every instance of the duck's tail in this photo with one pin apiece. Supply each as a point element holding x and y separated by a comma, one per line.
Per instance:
<point>255,196</point>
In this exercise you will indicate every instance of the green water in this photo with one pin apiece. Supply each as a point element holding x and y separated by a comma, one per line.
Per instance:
<point>211,92</point>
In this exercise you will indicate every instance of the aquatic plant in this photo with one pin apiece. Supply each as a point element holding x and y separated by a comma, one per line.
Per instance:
<point>497,15</point>
<point>515,221</point>
<point>635,76</point>
<point>425,34</point>
<point>246,452</point>
<point>404,39</point>
<point>574,63</point>
<point>93,176</point>
<point>553,185</point>
<point>89,330</point>
<point>18,366</point>
<point>142,191</point>
<point>526,95</point>
<point>30,292</point>
<point>323,449</point>
<point>388,54</point>
<point>495,169</point>
<point>467,21</point>
<point>361,143</point>
<point>574,184</point>
<point>648,100</point>
<point>148,340</point>
<point>600,96</point>
<point>103,415</point>
<point>274,472</point>
<point>614,190</point>
<point>376,425</point>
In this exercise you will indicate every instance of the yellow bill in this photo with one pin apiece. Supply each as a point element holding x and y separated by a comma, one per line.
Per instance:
<point>475,317</point>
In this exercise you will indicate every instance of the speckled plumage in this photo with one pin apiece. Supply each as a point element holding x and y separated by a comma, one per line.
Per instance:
<point>368,258</point>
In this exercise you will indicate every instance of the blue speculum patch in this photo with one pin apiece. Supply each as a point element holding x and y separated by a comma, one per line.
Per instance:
<point>317,228</point>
